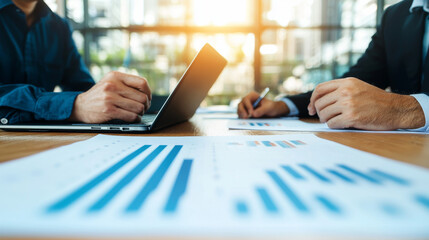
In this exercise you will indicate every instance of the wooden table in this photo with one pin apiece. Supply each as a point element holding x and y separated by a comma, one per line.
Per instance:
<point>410,148</point>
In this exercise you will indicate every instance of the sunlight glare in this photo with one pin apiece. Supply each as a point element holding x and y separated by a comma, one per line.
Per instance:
<point>220,12</point>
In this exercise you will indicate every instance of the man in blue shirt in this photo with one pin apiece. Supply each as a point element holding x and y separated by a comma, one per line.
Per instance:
<point>37,53</point>
<point>395,58</point>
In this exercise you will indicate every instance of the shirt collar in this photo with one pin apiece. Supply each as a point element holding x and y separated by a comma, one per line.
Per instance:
<point>4,3</point>
<point>41,8</point>
<point>420,3</point>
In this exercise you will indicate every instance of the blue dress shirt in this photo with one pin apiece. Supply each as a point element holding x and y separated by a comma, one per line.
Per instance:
<point>33,61</point>
<point>421,98</point>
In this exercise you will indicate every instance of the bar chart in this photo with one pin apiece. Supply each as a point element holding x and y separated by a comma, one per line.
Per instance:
<point>236,184</point>
<point>336,175</point>
<point>259,124</point>
<point>151,185</point>
<point>264,143</point>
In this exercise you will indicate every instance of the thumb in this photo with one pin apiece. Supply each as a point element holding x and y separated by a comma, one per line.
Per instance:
<point>261,111</point>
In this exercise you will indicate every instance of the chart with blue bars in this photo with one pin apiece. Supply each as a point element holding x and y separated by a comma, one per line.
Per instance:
<point>265,143</point>
<point>236,184</point>
<point>136,203</point>
<point>339,174</point>
<point>260,124</point>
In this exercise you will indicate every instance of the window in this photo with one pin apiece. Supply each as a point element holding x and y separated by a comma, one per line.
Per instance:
<point>288,45</point>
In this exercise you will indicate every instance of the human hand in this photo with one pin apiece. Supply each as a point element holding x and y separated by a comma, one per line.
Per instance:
<point>266,107</point>
<point>352,103</point>
<point>117,96</point>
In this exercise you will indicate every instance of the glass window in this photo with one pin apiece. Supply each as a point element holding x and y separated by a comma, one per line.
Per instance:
<point>300,42</point>
<point>297,60</point>
<point>237,78</point>
<point>388,3</point>
<point>222,12</point>
<point>75,11</point>
<point>308,13</point>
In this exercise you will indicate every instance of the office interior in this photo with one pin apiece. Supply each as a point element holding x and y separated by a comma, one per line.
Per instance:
<point>287,45</point>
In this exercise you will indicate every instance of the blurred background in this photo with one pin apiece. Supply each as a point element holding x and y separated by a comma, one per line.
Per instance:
<point>287,45</point>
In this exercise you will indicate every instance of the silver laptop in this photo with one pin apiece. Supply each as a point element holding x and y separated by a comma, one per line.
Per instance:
<point>180,106</point>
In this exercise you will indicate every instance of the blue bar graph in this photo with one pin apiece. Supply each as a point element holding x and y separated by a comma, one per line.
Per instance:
<point>267,143</point>
<point>282,144</point>
<point>103,201</point>
<point>297,142</point>
<point>179,187</point>
<point>359,174</point>
<point>390,209</point>
<point>78,193</point>
<point>332,207</point>
<point>315,173</point>
<point>293,173</point>
<point>288,192</point>
<point>267,200</point>
<point>341,176</point>
<point>390,177</point>
<point>422,200</point>
<point>154,180</point>
<point>242,207</point>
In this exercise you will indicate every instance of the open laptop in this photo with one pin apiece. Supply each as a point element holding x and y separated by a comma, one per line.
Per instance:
<point>180,106</point>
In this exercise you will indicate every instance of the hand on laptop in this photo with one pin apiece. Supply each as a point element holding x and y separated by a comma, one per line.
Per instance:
<point>117,96</point>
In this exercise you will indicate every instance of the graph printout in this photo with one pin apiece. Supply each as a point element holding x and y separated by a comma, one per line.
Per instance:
<point>295,125</point>
<point>284,185</point>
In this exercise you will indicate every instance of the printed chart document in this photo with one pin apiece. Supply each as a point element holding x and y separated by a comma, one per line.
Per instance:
<point>295,125</point>
<point>295,184</point>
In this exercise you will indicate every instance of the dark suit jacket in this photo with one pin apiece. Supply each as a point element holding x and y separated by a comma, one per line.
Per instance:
<point>393,58</point>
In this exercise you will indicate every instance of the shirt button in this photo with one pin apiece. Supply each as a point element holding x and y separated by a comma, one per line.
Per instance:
<point>4,121</point>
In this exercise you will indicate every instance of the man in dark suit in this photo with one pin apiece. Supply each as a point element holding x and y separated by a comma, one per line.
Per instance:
<point>395,58</point>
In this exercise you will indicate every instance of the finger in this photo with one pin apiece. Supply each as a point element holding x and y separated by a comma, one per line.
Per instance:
<point>339,122</point>
<point>133,81</point>
<point>125,115</point>
<point>263,109</point>
<point>241,111</point>
<point>330,112</point>
<point>132,93</point>
<point>248,106</point>
<point>321,90</point>
<point>129,105</point>
<point>325,101</point>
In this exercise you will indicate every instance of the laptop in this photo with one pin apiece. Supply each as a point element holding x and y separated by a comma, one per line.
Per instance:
<point>180,105</point>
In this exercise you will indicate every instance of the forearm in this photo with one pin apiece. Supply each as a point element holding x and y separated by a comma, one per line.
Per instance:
<point>23,103</point>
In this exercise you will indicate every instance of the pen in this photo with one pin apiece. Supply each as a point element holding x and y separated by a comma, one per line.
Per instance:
<point>263,94</point>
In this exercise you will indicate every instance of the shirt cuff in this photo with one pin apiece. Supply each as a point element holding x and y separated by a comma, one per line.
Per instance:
<point>55,106</point>
<point>423,100</point>
<point>293,110</point>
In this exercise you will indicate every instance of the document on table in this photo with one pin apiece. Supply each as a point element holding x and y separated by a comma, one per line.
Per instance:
<point>295,125</point>
<point>284,185</point>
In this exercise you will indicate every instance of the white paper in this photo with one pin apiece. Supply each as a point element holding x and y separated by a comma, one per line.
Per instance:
<point>232,189</point>
<point>216,109</point>
<point>294,125</point>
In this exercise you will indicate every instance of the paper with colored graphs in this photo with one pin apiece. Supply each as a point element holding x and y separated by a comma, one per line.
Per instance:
<point>294,125</point>
<point>285,185</point>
